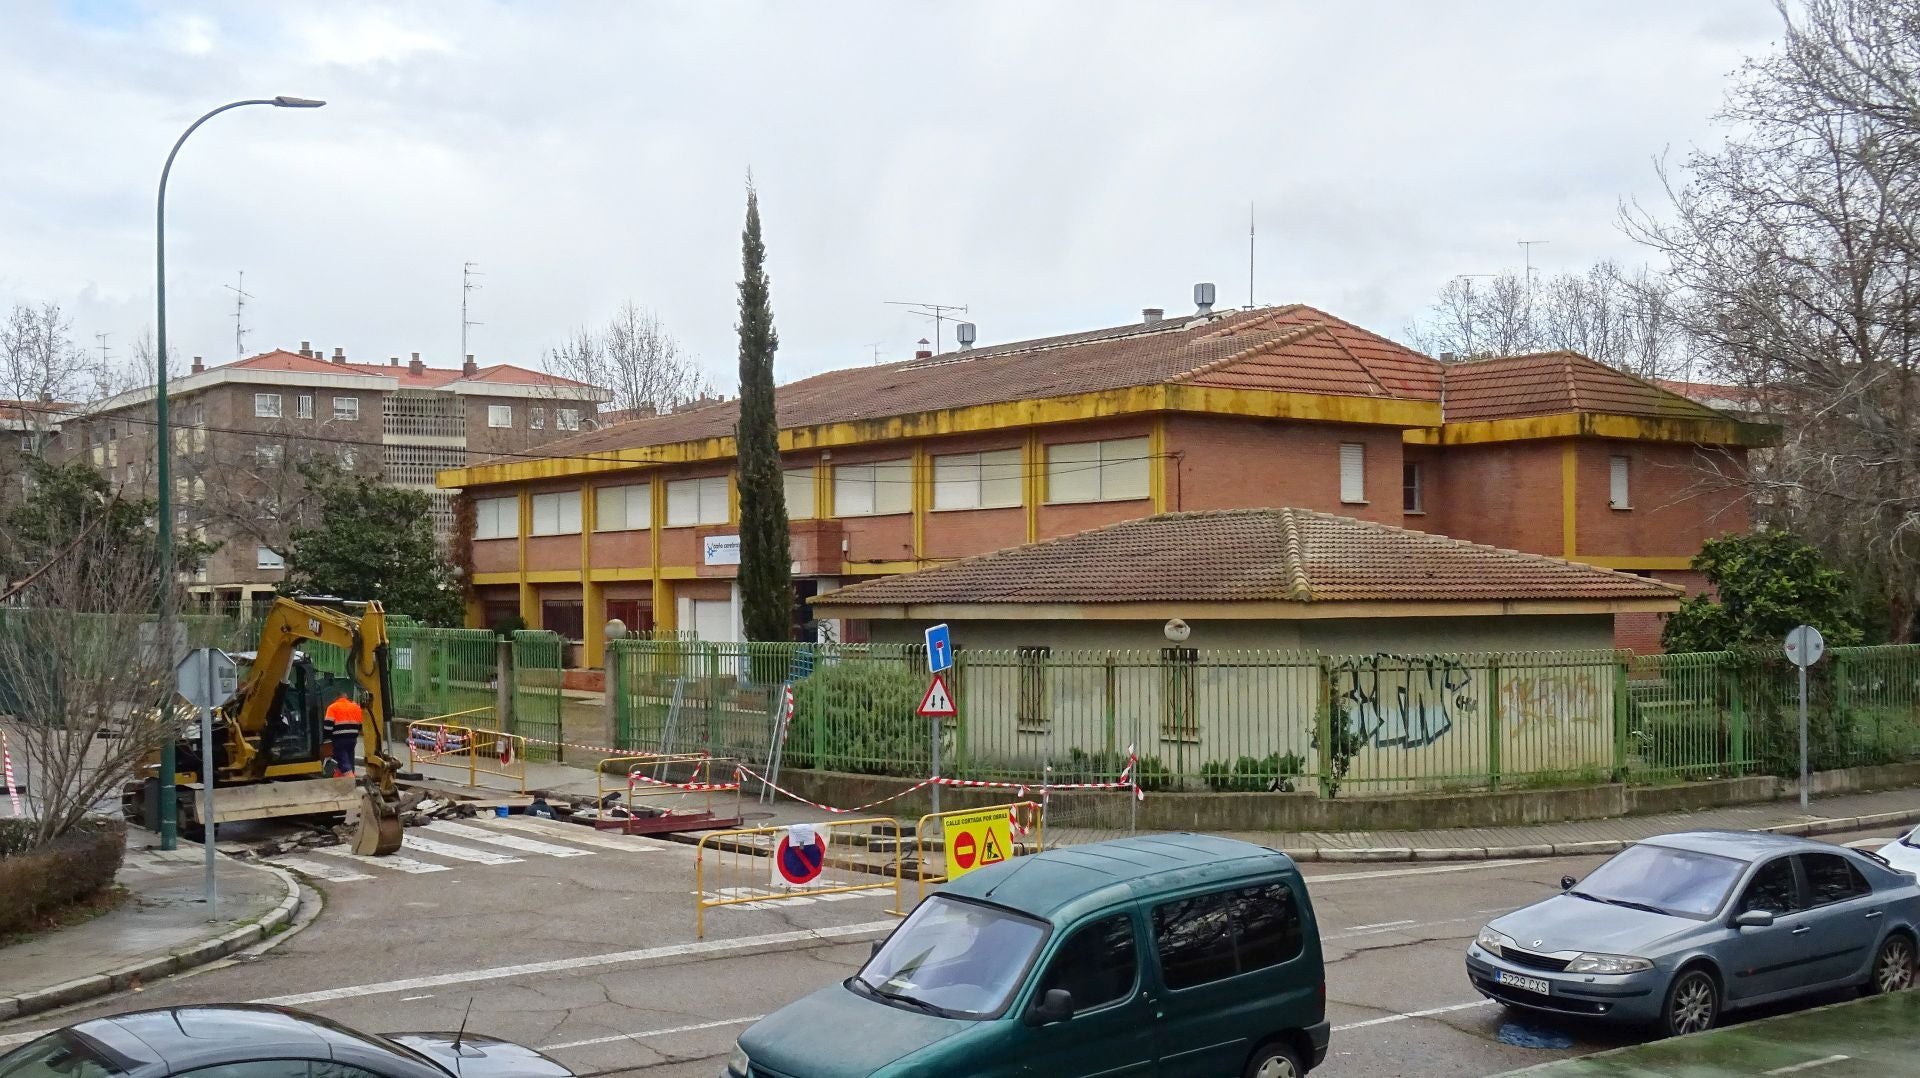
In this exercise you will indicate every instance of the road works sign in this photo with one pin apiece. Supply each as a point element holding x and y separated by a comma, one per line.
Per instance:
<point>975,840</point>
<point>938,703</point>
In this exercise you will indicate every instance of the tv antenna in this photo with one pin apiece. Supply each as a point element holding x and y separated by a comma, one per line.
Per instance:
<point>104,357</point>
<point>936,311</point>
<point>467,285</point>
<point>875,347</point>
<point>1249,256</point>
<point>240,298</point>
<point>1528,246</point>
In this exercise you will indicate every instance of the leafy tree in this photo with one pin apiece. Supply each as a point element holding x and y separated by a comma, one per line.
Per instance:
<point>373,542</point>
<point>71,510</point>
<point>766,557</point>
<point>1767,583</point>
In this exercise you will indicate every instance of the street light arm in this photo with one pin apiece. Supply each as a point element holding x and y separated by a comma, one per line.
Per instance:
<point>181,141</point>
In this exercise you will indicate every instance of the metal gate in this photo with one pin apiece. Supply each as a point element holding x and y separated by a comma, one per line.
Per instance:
<point>537,699</point>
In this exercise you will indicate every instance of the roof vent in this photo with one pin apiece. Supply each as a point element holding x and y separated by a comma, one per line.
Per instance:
<point>964,333</point>
<point>923,352</point>
<point>306,349</point>
<point>393,361</point>
<point>1150,315</point>
<point>1203,297</point>
<point>339,355</point>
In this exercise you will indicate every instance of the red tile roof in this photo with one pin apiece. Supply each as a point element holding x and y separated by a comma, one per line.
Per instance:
<point>427,378</point>
<point>1251,555</point>
<point>1547,383</point>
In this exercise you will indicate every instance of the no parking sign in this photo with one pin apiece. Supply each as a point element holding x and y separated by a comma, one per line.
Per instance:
<point>800,855</point>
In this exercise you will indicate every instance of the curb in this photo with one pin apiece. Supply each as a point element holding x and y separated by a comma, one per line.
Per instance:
<point>197,954</point>
<point>1364,854</point>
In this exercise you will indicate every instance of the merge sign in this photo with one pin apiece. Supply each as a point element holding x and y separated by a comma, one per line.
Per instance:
<point>976,839</point>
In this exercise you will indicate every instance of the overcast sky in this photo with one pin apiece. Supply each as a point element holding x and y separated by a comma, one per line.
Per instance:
<point>1055,166</point>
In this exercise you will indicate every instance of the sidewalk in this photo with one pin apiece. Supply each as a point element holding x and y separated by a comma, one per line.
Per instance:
<point>1890,809</point>
<point>161,929</point>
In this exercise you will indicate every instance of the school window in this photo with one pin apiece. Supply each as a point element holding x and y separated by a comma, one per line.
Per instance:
<point>565,617</point>
<point>303,406</point>
<point>346,409</point>
<point>697,501</point>
<point>499,415</point>
<point>557,514</point>
<point>1353,473</point>
<point>797,486</point>
<point>618,509</point>
<point>877,489</point>
<point>566,419</point>
<point>1412,496</point>
<point>1617,475</point>
<point>266,405</point>
<point>1108,471</point>
<point>264,558</point>
<point>1098,964</point>
<point>1031,708</point>
<point>496,518</point>
<point>977,480</point>
<point>536,419</point>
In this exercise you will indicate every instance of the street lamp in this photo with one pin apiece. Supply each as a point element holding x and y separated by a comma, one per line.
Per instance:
<point>164,449</point>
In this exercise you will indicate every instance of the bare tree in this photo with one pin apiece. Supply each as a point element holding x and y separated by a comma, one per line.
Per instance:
<point>39,362</point>
<point>1797,244</point>
<point>635,358</point>
<point>1623,319</point>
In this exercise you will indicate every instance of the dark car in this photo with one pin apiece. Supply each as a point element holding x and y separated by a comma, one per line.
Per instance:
<point>247,1041</point>
<point>1677,929</point>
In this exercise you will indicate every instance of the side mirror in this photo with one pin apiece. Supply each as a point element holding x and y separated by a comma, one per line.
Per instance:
<point>1567,882</point>
<point>1754,919</point>
<point>1055,1006</point>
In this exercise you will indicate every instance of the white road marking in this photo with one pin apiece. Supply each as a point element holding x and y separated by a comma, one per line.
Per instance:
<point>458,853</point>
<point>585,836</point>
<point>511,842</point>
<point>1428,1013</point>
<point>1380,924</point>
<point>704,948</point>
<point>1396,926</point>
<point>696,1027</point>
<point>393,860</point>
<point>1809,1065</point>
<point>410,999</point>
<point>1465,866</point>
<point>318,870</point>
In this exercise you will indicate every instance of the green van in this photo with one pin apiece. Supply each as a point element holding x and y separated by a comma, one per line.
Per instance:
<point>1168,955</point>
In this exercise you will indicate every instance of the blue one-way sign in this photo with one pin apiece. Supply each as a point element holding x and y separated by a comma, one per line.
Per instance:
<point>939,648</point>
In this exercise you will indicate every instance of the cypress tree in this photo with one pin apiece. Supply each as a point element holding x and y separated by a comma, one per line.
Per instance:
<point>766,558</point>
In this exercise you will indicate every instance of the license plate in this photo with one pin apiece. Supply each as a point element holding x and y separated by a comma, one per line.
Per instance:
<point>1531,984</point>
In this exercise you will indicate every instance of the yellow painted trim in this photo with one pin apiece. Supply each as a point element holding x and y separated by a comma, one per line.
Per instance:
<point>627,574</point>
<point>481,579</point>
<point>529,601</point>
<point>593,615</point>
<point>1569,497</point>
<point>551,576</point>
<point>733,497</point>
<point>1269,611</point>
<point>1635,562</point>
<point>679,572</point>
<point>1157,464</point>
<point>1688,430</point>
<point>1072,408</point>
<point>920,467</point>
<point>822,490</point>
<point>1032,482</point>
<point>664,614</point>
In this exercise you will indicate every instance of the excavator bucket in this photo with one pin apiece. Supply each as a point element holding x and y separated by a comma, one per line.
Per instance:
<point>379,831</point>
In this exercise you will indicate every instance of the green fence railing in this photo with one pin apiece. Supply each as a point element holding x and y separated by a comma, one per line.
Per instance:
<point>538,677</point>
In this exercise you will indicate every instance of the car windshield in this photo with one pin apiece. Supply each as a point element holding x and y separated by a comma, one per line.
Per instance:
<point>1679,882</point>
<point>59,1055</point>
<point>958,959</point>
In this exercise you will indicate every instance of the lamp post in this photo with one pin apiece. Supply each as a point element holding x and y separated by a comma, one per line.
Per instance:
<point>163,450</point>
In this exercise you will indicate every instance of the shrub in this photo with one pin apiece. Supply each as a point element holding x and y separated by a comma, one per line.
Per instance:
<point>1083,766</point>
<point>1251,775</point>
<point>35,881</point>
<point>859,717</point>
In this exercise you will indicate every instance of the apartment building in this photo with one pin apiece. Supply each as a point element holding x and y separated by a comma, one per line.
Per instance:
<point>896,468</point>
<point>239,431</point>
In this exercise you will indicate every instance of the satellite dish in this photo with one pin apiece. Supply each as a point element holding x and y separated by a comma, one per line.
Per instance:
<point>1178,631</point>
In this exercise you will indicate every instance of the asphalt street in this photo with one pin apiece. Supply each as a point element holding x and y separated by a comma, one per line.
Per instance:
<point>582,944</point>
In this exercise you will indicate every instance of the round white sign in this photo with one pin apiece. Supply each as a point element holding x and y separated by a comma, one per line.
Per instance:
<point>1805,645</point>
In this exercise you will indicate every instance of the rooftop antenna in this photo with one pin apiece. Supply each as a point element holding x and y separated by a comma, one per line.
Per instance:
<point>1528,246</point>
<point>936,311</point>
<point>240,298</point>
<point>104,357</point>
<point>467,285</point>
<point>875,347</point>
<point>1249,255</point>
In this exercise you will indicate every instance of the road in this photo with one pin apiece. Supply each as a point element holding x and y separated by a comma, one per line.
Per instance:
<point>582,944</point>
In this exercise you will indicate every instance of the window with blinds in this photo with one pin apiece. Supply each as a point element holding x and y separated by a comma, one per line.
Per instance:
<point>1617,476</point>
<point>697,501</point>
<point>624,508</point>
<point>988,480</point>
<point>1109,471</point>
<point>799,493</point>
<point>556,514</point>
<point>877,489</point>
<point>1353,473</point>
<point>496,518</point>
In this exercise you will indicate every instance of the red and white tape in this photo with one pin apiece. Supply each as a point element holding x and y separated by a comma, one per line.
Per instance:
<point>6,774</point>
<point>697,787</point>
<point>750,773</point>
<point>1125,783</point>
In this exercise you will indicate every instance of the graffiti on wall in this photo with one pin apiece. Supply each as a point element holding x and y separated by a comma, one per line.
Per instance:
<point>1404,701</point>
<point>1534,703</point>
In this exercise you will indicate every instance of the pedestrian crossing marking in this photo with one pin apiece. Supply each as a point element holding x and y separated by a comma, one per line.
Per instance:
<point>319,871</point>
<point>393,860</point>
<point>585,836</point>
<point>511,842</point>
<point>458,853</point>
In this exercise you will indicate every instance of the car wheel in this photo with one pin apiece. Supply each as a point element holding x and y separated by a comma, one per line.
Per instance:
<point>1892,966</point>
<point>1693,1004</point>
<point>1275,1060</point>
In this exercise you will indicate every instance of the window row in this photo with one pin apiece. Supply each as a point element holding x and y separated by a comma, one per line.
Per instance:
<point>501,416</point>
<point>270,406</point>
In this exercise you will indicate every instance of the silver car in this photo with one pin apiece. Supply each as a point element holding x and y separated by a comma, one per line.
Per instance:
<point>1674,930</point>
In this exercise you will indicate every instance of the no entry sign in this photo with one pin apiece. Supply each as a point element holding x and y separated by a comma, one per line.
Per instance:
<point>801,855</point>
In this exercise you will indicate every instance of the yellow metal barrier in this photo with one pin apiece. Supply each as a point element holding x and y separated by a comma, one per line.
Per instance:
<point>480,752</point>
<point>974,838</point>
<point>668,792</point>
<point>739,867</point>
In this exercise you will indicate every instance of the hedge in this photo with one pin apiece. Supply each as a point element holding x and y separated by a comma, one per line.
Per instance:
<point>74,867</point>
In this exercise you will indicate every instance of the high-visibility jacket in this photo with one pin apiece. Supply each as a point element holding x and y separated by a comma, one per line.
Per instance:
<point>344,712</point>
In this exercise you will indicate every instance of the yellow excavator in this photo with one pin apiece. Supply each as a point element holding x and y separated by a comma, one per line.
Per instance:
<point>269,757</point>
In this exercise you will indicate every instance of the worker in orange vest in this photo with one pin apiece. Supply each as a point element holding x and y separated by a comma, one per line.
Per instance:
<point>345,716</point>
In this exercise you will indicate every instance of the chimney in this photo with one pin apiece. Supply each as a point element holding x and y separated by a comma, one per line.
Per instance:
<point>414,366</point>
<point>340,355</point>
<point>306,349</point>
<point>1448,357</point>
<point>198,366</point>
<point>924,352</point>
<point>1150,315</point>
<point>469,368</point>
<point>1203,297</point>
<point>393,361</point>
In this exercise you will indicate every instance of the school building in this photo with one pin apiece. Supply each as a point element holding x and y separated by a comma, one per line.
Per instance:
<point>901,467</point>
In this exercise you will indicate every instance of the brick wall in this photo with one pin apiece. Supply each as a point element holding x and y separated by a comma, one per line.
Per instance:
<point>1223,463</point>
<point>1675,500</point>
<point>1505,495</point>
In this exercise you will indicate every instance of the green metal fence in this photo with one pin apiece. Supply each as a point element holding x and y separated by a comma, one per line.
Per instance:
<point>538,676</point>
<point>1273,720</point>
<point>444,672</point>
